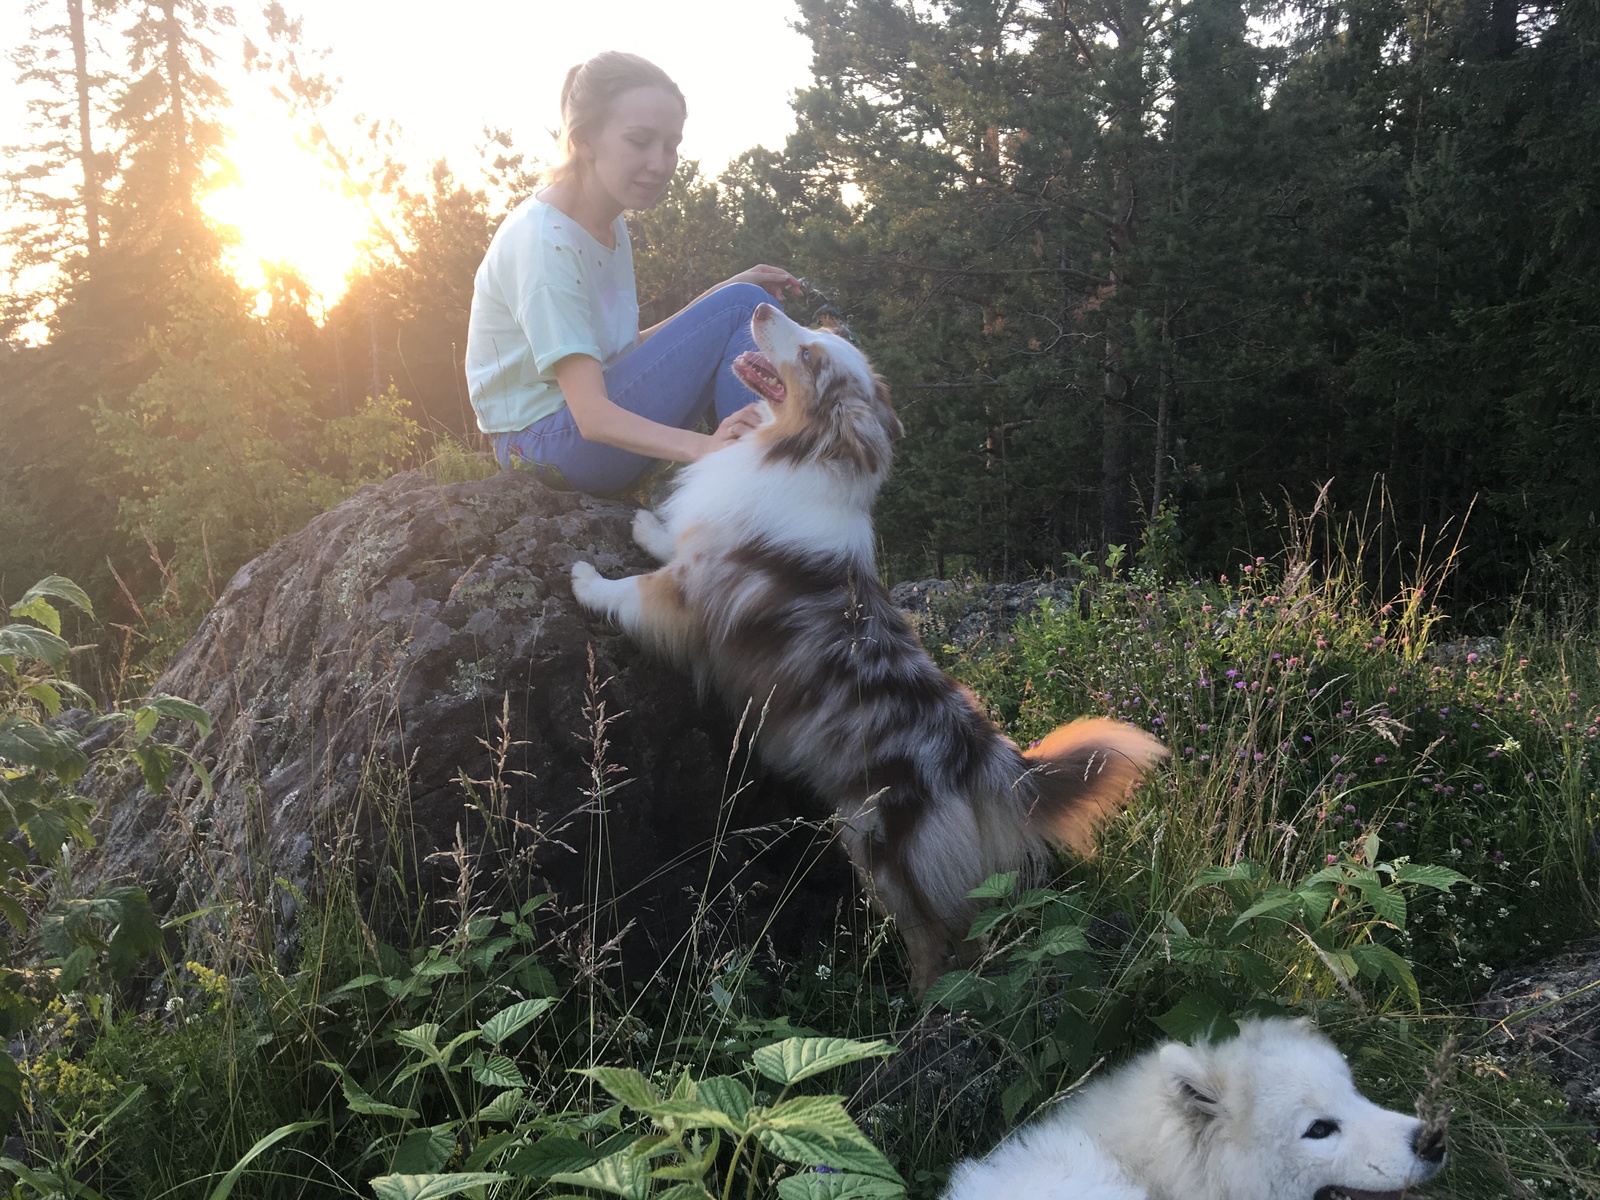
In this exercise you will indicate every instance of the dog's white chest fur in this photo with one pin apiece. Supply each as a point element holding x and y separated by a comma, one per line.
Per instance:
<point>735,497</point>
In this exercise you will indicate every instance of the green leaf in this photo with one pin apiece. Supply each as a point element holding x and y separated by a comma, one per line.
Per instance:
<point>44,1184</point>
<point>1240,872</point>
<point>1378,962</point>
<point>507,1021</point>
<point>1196,1014</point>
<point>832,1185</point>
<point>40,611</point>
<point>356,1097</point>
<point>145,720</point>
<point>503,1107</point>
<point>726,1094</point>
<point>490,1148</point>
<point>985,921</point>
<point>627,1085</point>
<point>685,1191</point>
<point>552,1156</point>
<point>164,705</point>
<point>137,932</point>
<point>155,765</point>
<point>954,990</point>
<point>75,968</point>
<point>690,1114</point>
<point>1063,939</point>
<point>48,697</point>
<point>224,1186</point>
<point>996,887</point>
<point>498,1071</point>
<point>29,744</point>
<point>60,588</point>
<point>625,1173</point>
<point>10,1089</point>
<point>798,1058</point>
<point>1273,903</point>
<point>47,831</point>
<point>1389,903</point>
<point>815,1150</point>
<point>424,1037</point>
<point>432,1187</point>
<point>1439,878</point>
<point>1022,1089</point>
<point>424,1151</point>
<point>37,645</point>
<point>816,1130</point>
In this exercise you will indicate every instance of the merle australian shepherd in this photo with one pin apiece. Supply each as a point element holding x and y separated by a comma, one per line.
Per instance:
<point>769,591</point>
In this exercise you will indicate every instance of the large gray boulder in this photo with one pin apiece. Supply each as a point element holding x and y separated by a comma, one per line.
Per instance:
<point>357,675</point>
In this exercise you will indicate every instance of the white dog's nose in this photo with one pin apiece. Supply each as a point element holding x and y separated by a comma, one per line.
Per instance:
<point>1428,1144</point>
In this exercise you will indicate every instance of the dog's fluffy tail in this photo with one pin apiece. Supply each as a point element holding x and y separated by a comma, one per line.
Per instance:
<point>1083,773</point>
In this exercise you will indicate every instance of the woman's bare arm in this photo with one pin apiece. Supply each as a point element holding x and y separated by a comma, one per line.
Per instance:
<point>583,384</point>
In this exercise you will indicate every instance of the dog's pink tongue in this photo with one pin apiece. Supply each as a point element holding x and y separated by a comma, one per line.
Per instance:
<point>755,371</point>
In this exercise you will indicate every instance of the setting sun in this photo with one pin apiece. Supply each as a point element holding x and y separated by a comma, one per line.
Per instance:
<point>287,206</point>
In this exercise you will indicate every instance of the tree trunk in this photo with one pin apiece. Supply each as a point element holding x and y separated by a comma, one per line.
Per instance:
<point>91,177</point>
<point>1164,418</point>
<point>180,155</point>
<point>1115,459</point>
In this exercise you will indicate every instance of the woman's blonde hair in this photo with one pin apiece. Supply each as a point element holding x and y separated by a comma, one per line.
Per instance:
<point>588,93</point>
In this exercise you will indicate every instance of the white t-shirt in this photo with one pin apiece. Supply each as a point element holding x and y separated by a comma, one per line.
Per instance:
<point>546,289</point>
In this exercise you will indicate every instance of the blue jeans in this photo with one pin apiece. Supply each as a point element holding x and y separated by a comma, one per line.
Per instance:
<point>684,368</point>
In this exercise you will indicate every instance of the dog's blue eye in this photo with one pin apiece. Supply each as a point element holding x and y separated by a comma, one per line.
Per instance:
<point>1321,1129</point>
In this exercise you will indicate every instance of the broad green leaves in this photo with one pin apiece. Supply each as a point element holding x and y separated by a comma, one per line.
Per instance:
<point>433,1187</point>
<point>799,1058</point>
<point>809,1132</point>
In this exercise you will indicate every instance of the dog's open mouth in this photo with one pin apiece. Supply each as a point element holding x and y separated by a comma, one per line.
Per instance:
<point>1340,1193</point>
<point>756,372</point>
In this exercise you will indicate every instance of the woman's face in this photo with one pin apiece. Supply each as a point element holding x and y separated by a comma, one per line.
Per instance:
<point>633,156</point>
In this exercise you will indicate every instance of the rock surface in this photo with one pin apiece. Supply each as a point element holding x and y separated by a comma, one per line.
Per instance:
<point>357,673</point>
<point>1549,1017</point>
<point>947,612</point>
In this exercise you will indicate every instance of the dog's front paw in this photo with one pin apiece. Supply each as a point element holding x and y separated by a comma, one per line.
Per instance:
<point>651,534</point>
<point>586,584</point>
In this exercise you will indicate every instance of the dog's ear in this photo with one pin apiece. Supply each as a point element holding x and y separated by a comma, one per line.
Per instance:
<point>1194,1086</point>
<point>880,387</point>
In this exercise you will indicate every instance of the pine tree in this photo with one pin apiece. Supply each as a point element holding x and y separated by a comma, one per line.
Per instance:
<point>57,180</point>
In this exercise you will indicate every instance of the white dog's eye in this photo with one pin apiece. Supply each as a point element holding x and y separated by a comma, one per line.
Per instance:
<point>1321,1129</point>
<point>805,353</point>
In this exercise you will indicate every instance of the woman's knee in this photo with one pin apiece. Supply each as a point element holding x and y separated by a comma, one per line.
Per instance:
<point>746,297</point>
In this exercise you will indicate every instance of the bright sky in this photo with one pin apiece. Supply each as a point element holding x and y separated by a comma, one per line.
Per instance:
<point>443,72</point>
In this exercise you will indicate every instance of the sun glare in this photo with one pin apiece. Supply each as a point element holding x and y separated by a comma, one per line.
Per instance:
<point>289,208</point>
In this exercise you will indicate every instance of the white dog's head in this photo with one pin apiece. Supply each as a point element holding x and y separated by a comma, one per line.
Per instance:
<point>1278,1102</point>
<point>825,401</point>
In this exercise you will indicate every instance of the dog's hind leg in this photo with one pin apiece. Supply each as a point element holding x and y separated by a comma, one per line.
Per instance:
<point>650,608</point>
<point>887,861</point>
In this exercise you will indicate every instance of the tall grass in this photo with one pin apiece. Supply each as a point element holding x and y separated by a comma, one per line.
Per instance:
<point>1361,821</point>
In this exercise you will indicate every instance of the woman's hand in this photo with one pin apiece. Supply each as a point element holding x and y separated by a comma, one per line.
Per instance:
<point>735,426</point>
<point>775,280</point>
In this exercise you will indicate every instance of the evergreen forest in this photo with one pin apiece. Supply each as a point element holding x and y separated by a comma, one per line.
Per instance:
<point>1266,331</point>
<point>1204,255</point>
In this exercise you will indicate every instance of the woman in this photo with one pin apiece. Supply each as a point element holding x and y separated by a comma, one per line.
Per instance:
<point>560,374</point>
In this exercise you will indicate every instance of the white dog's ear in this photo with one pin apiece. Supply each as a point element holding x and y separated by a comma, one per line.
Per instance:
<point>1194,1086</point>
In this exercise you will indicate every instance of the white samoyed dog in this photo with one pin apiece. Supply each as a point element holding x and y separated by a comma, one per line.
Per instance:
<point>1270,1115</point>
